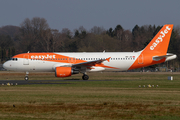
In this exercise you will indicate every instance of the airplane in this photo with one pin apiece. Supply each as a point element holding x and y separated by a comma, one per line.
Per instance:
<point>69,63</point>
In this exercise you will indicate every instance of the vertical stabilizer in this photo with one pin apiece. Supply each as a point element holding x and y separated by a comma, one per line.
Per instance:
<point>160,43</point>
<point>156,51</point>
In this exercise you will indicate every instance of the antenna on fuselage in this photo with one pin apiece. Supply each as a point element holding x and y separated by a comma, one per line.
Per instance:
<point>104,51</point>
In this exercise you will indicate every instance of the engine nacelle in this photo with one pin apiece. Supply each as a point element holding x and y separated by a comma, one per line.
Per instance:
<point>65,71</point>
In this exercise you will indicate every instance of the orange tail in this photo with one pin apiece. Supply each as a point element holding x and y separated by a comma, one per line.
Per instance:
<point>156,51</point>
<point>160,42</point>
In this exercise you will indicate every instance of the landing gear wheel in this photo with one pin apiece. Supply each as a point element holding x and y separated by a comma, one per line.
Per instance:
<point>85,77</point>
<point>26,78</point>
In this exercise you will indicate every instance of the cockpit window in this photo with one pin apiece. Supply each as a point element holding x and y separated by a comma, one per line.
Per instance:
<point>14,59</point>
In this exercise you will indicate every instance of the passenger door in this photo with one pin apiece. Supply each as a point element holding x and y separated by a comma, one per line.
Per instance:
<point>26,60</point>
<point>140,59</point>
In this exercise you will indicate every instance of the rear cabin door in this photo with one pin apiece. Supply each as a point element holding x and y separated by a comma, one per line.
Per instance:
<point>140,59</point>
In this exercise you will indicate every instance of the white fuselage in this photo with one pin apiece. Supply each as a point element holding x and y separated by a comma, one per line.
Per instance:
<point>119,61</point>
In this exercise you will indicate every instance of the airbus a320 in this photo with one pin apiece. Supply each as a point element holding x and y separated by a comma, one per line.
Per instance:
<point>67,64</point>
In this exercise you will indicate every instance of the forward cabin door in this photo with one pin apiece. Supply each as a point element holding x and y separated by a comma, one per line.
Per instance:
<point>26,60</point>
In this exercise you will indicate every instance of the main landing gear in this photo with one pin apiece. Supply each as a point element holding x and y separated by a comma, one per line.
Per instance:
<point>85,77</point>
<point>26,78</point>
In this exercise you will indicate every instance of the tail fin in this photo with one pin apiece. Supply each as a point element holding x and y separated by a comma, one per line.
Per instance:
<point>160,43</point>
<point>156,51</point>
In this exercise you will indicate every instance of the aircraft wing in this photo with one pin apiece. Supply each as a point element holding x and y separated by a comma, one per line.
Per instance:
<point>90,63</point>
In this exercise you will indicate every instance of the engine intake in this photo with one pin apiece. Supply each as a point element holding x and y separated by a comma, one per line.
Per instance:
<point>65,71</point>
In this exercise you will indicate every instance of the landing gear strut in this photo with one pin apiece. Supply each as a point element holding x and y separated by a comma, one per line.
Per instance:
<point>26,76</point>
<point>85,77</point>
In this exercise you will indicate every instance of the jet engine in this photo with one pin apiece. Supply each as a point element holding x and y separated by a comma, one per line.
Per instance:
<point>65,71</point>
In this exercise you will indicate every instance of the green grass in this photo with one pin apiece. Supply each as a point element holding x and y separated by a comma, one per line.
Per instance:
<point>119,97</point>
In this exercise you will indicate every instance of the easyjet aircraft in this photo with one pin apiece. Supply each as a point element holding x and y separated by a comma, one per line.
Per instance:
<point>67,64</point>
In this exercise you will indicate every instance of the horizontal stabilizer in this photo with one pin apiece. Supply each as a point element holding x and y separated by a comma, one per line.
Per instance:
<point>169,56</point>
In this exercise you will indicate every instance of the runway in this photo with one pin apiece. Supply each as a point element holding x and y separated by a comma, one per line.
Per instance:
<point>29,82</point>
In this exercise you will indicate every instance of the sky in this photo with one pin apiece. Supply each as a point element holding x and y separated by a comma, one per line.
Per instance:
<point>72,14</point>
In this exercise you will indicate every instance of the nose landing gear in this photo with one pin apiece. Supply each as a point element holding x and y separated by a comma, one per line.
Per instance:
<point>26,76</point>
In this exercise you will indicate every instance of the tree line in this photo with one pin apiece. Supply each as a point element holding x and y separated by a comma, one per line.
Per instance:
<point>35,35</point>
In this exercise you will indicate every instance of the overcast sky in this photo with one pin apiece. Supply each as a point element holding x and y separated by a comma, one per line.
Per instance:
<point>89,13</point>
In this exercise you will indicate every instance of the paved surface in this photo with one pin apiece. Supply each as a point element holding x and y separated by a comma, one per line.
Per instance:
<point>23,82</point>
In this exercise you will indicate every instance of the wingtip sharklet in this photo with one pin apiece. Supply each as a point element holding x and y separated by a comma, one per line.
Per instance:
<point>108,59</point>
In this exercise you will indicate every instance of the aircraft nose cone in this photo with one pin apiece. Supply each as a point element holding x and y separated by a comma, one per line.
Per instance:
<point>5,65</point>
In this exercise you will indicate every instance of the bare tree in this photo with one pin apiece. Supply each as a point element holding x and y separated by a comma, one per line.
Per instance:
<point>36,34</point>
<point>45,41</point>
<point>81,28</point>
<point>127,41</point>
<point>67,32</point>
<point>97,30</point>
<point>56,41</point>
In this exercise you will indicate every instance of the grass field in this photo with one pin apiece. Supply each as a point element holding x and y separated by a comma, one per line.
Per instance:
<point>118,97</point>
